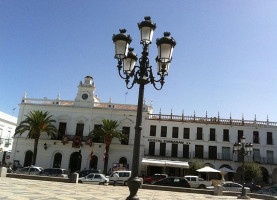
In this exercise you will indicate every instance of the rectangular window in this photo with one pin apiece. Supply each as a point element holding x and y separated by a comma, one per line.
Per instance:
<point>199,133</point>
<point>175,131</point>
<point>186,133</point>
<point>98,139</point>
<point>185,151</point>
<point>79,129</point>
<point>213,152</point>
<point>226,153</point>
<point>240,134</point>
<point>269,138</point>
<point>256,137</point>
<point>270,158</point>
<point>212,134</point>
<point>174,150</point>
<point>151,148</point>
<point>256,155</point>
<point>61,130</point>
<point>7,142</point>
<point>226,135</point>
<point>199,151</point>
<point>162,149</point>
<point>126,132</point>
<point>153,130</point>
<point>163,131</point>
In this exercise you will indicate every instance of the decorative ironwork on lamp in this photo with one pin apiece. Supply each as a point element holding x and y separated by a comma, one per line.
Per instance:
<point>141,74</point>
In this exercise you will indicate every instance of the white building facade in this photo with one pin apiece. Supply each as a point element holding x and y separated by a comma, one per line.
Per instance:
<point>210,141</point>
<point>74,120</point>
<point>7,127</point>
<point>164,137</point>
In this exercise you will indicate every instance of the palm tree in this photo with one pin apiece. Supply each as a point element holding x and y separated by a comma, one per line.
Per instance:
<point>36,123</point>
<point>108,130</point>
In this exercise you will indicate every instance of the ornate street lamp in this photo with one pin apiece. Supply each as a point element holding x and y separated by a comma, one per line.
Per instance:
<point>243,149</point>
<point>142,75</point>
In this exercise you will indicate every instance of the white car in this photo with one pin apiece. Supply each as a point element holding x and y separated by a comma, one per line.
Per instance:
<point>230,186</point>
<point>99,179</point>
<point>123,176</point>
<point>32,170</point>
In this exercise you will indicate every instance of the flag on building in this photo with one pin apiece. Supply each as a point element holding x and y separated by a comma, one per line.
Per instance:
<point>91,151</point>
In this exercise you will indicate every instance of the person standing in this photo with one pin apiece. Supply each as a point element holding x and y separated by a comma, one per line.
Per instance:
<point>115,179</point>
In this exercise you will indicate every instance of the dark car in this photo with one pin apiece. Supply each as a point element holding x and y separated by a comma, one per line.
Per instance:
<point>272,190</point>
<point>84,173</point>
<point>57,172</point>
<point>253,187</point>
<point>154,178</point>
<point>173,182</point>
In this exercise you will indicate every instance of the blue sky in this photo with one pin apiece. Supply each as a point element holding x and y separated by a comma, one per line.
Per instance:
<point>225,59</point>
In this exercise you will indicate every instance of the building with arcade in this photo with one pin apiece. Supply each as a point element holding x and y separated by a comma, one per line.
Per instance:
<point>169,143</point>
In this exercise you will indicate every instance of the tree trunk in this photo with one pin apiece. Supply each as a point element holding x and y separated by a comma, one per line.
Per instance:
<point>108,143</point>
<point>35,152</point>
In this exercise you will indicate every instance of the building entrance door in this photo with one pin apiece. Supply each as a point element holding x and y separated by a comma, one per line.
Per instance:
<point>75,162</point>
<point>28,159</point>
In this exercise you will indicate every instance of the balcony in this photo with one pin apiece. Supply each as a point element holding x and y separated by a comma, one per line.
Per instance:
<point>83,139</point>
<point>211,120</point>
<point>193,155</point>
<point>265,160</point>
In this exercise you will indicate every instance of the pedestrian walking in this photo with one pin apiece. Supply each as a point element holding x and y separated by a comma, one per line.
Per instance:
<point>115,179</point>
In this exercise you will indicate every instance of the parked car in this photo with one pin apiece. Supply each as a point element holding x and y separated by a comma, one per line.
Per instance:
<point>272,190</point>
<point>123,176</point>
<point>154,178</point>
<point>87,172</point>
<point>231,186</point>
<point>94,178</point>
<point>253,187</point>
<point>31,170</point>
<point>173,182</point>
<point>57,172</point>
<point>196,182</point>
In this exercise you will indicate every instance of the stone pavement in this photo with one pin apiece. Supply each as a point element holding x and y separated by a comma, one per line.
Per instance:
<point>24,189</point>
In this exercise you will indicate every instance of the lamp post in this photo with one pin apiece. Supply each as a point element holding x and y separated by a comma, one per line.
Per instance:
<point>243,149</point>
<point>142,75</point>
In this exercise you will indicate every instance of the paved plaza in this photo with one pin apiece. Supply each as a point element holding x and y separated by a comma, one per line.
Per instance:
<point>24,189</point>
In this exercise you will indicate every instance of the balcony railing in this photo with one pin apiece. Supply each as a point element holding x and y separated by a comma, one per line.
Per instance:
<point>218,156</point>
<point>211,120</point>
<point>193,155</point>
<point>83,139</point>
<point>65,103</point>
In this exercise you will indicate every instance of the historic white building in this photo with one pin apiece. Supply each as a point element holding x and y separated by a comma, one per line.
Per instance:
<point>7,127</point>
<point>74,120</point>
<point>164,137</point>
<point>210,141</point>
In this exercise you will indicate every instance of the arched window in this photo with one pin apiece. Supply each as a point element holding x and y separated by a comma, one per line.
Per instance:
<point>28,158</point>
<point>93,162</point>
<point>123,161</point>
<point>57,160</point>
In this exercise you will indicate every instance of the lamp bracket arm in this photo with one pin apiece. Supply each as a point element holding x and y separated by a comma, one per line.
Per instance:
<point>127,84</point>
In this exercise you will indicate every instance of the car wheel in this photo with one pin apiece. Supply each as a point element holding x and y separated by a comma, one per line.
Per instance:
<point>80,181</point>
<point>202,186</point>
<point>125,183</point>
<point>101,183</point>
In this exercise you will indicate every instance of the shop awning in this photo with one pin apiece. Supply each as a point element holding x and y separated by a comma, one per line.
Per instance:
<point>164,163</point>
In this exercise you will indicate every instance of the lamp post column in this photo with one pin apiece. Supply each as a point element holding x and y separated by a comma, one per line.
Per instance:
<point>134,182</point>
<point>242,151</point>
